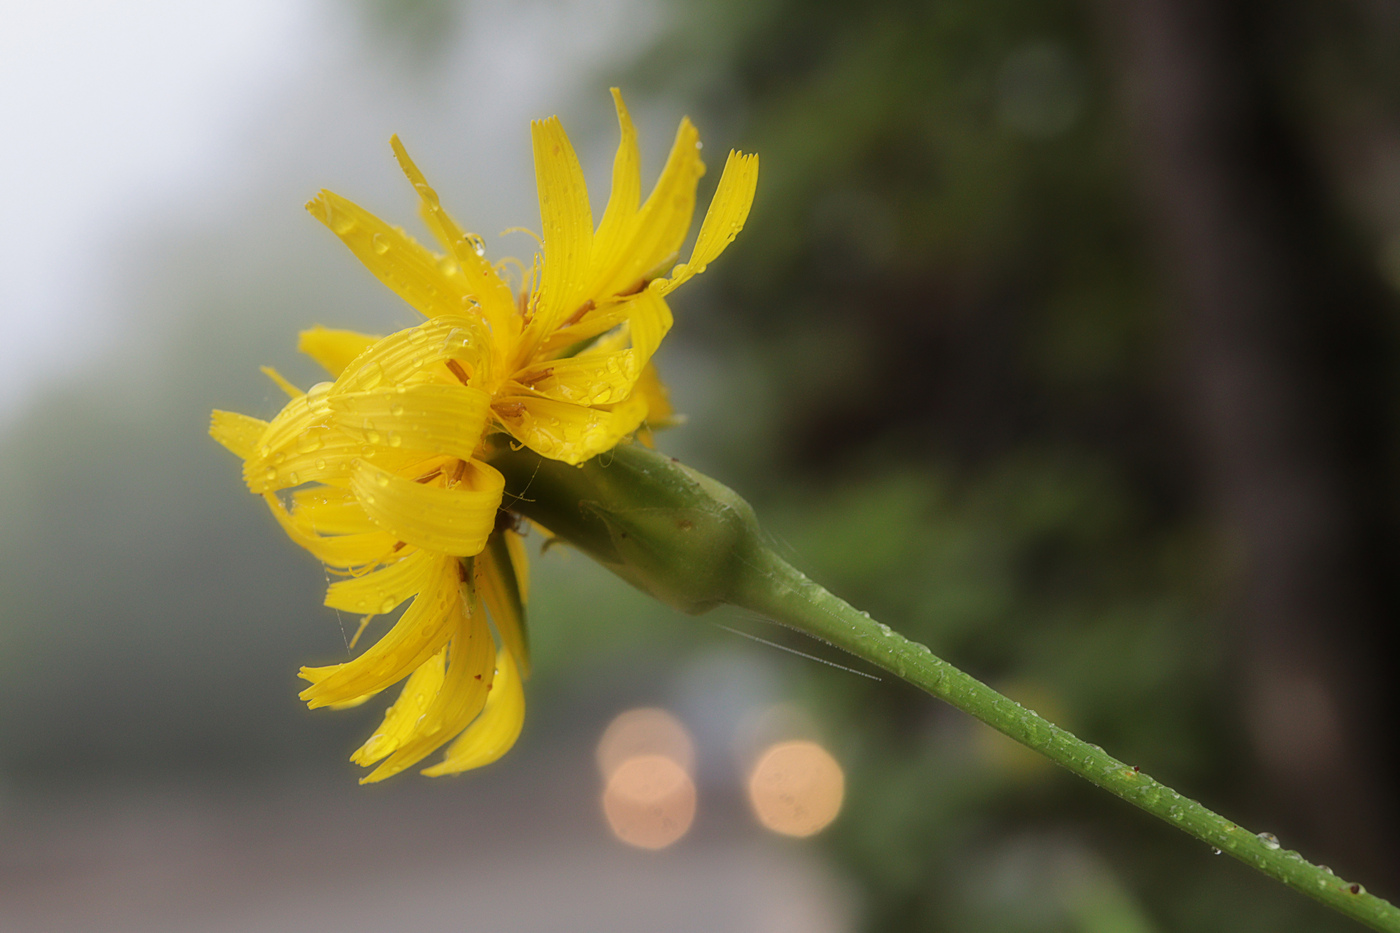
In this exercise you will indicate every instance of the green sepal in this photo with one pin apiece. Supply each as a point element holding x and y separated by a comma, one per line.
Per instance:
<point>673,533</point>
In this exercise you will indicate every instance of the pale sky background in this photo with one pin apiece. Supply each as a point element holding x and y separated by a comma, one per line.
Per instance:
<point>125,118</point>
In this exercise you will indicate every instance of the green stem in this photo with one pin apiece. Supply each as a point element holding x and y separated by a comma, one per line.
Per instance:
<point>777,590</point>
<point>693,543</point>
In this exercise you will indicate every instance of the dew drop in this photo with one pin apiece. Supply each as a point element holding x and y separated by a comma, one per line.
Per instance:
<point>396,410</point>
<point>374,437</point>
<point>293,478</point>
<point>387,605</point>
<point>342,224</point>
<point>318,391</point>
<point>320,463</point>
<point>1269,839</point>
<point>271,474</point>
<point>380,244</point>
<point>1355,888</point>
<point>266,450</point>
<point>1214,850</point>
<point>382,479</point>
<point>395,440</point>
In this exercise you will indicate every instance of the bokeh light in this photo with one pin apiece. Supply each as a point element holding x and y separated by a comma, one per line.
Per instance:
<point>796,788</point>
<point>649,801</point>
<point>647,759</point>
<point>645,731</point>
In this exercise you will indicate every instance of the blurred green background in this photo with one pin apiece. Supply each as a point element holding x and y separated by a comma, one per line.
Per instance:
<point>1062,337</point>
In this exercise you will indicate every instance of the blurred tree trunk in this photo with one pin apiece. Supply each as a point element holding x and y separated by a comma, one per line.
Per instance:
<point>1283,338</point>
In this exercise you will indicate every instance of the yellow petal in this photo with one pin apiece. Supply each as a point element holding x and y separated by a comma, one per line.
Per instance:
<point>567,224</point>
<point>454,520</point>
<point>725,218</point>
<point>465,686</point>
<point>281,383</point>
<point>500,589</point>
<point>515,544</point>
<point>327,510</point>
<point>401,720</point>
<point>425,626</point>
<point>605,374</point>
<point>661,225</point>
<point>444,419</point>
<point>300,422</point>
<point>495,730</point>
<point>333,349</point>
<point>648,321</point>
<point>493,296</point>
<point>619,217</point>
<point>239,433</point>
<point>414,355</point>
<point>565,338</point>
<point>317,454</point>
<point>384,589</point>
<point>596,379</point>
<point>412,271</point>
<point>353,550</point>
<point>660,414</point>
<point>562,431</point>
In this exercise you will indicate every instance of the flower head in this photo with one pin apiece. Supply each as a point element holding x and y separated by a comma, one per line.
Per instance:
<point>381,473</point>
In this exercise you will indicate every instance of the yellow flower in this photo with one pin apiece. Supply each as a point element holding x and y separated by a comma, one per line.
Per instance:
<point>381,473</point>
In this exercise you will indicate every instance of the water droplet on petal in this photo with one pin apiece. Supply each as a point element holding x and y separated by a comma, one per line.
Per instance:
<point>387,605</point>
<point>271,474</point>
<point>320,463</point>
<point>396,410</point>
<point>382,479</point>
<point>380,244</point>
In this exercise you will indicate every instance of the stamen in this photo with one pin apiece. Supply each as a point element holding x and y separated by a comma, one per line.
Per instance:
<point>359,631</point>
<point>577,316</point>
<point>456,369</point>
<point>429,477</point>
<point>458,473</point>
